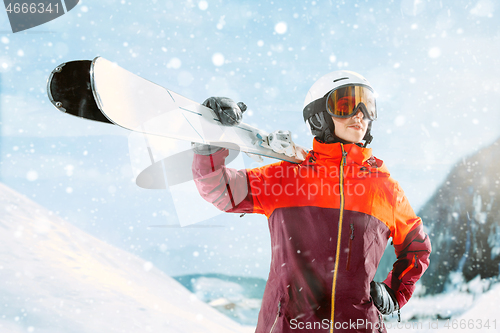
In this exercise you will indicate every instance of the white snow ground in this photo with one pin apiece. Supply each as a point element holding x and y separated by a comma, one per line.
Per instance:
<point>466,313</point>
<point>56,278</point>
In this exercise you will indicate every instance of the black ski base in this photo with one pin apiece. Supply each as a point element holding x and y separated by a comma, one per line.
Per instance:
<point>70,91</point>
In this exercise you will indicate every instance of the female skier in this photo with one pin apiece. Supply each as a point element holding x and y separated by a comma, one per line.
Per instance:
<point>330,217</point>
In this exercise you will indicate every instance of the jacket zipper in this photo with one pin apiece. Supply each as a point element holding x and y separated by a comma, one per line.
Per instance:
<point>341,216</point>
<point>277,316</point>
<point>351,237</point>
<point>414,263</point>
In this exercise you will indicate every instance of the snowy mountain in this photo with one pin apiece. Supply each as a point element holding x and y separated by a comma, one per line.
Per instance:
<point>237,297</point>
<point>56,278</point>
<point>462,219</point>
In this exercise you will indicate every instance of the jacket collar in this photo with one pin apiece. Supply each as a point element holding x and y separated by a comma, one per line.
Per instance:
<point>327,153</point>
<point>355,153</point>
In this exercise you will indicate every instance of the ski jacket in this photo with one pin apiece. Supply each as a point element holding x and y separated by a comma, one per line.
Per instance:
<point>330,218</point>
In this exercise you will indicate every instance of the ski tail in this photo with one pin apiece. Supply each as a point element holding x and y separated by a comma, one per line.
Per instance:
<point>70,91</point>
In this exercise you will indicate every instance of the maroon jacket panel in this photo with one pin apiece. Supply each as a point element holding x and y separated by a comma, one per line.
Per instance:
<point>302,267</point>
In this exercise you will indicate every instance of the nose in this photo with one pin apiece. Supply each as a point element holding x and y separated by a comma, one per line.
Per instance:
<point>359,115</point>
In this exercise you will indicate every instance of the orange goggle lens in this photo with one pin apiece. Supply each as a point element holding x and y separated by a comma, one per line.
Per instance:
<point>346,101</point>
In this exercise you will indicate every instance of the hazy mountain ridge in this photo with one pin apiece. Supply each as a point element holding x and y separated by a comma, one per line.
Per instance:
<point>462,219</point>
<point>56,278</point>
<point>238,297</point>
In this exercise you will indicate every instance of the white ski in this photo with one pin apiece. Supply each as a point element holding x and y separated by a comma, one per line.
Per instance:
<point>137,104</point>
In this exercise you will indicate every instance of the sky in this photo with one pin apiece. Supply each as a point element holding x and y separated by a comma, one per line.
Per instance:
<point>434,66</point>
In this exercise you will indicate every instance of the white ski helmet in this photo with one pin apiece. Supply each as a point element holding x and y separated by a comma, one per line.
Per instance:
<point>340,94</point>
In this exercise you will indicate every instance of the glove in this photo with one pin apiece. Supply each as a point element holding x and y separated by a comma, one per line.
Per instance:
<point>228,112</point>
<point>383,297</point>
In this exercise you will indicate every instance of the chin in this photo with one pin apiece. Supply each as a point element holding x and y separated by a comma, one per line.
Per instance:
<point>355,140</point>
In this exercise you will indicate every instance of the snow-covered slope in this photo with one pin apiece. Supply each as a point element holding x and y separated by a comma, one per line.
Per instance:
<point>483,314</point>
<point>56,278</point>
<point>463,311</point>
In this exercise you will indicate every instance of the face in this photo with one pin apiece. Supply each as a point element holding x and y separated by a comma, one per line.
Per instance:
<point>351,129</point>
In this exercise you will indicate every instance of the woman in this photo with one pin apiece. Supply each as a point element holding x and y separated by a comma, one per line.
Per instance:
<point>330,217</point>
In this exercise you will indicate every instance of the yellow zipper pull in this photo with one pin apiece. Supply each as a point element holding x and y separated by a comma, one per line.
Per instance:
<point>344,154</point>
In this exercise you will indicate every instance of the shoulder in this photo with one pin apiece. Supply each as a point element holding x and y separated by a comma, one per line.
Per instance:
<point>375,162</point>
<point>393,190</point>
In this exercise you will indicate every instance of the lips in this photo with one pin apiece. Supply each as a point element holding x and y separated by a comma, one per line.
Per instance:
<point>355,127</point>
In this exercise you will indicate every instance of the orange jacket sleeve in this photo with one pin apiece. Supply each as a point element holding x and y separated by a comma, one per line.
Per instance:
<point>412,247</point>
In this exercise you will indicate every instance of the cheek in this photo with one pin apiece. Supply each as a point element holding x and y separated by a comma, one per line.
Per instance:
<point>341,123</point>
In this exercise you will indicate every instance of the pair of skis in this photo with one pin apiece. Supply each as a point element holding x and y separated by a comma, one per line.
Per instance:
<point>102,91</point>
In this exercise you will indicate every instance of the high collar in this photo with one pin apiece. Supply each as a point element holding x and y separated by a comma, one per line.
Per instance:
<point>331,153</point>
<point>334,151</point>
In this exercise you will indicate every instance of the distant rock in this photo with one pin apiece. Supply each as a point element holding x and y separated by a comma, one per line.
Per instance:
<point>463,220</point>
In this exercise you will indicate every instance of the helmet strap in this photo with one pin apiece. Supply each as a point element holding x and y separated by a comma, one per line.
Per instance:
<point>368,136</point>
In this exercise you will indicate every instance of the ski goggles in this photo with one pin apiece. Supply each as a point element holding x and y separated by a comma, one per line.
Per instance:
<point>344,102</point>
